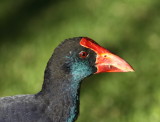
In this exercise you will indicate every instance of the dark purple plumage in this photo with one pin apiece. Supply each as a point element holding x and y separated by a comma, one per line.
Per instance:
<point>58,101</point>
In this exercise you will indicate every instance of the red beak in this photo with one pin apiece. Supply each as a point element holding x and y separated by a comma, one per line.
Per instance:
<point>105,60</point>
<point>108,62</point>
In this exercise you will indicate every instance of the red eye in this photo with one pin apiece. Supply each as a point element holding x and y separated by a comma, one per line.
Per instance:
<point>83,54</point>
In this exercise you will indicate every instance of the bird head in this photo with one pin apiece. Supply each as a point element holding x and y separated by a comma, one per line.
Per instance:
<point>105,60</point>
<point>81,57</point>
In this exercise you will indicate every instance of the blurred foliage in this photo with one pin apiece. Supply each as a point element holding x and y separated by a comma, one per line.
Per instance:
<point>31,29</point>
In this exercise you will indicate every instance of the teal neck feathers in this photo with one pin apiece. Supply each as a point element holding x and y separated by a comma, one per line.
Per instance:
<point>79,71</point>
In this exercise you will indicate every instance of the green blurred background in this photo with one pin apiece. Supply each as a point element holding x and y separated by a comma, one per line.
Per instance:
<point>31,29</point>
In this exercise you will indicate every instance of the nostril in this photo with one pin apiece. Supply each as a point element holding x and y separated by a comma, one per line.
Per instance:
<point>105,56</point>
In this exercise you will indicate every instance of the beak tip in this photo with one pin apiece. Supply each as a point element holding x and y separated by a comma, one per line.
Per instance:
<point>130,70</point>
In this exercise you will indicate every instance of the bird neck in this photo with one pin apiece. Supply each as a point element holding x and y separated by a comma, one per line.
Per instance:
<point>62,93</point>
<point>61,85</point>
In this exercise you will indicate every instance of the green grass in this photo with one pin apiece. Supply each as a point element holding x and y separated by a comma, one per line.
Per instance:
<point>30,30</point>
